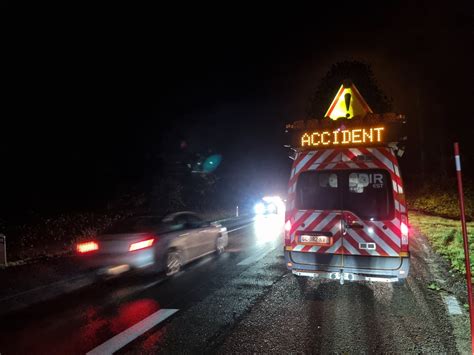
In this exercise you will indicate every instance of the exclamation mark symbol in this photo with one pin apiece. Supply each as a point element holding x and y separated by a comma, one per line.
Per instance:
<point>347,99</point>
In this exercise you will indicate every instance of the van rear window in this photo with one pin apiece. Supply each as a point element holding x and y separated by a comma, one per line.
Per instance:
<point>367,193</point>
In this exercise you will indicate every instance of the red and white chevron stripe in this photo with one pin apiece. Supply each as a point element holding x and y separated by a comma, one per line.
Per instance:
<point>385,234</point>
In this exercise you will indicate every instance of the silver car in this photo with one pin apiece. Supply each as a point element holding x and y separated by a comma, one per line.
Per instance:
<point>159,244</point>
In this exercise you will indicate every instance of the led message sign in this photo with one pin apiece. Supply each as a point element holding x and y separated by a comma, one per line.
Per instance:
<point>342,137</point>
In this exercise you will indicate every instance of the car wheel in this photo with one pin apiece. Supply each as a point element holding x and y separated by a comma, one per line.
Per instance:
<point>173,262</point>
<point>220,245</point>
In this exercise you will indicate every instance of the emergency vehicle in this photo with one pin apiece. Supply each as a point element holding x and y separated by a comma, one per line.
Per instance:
<point>346,215</point>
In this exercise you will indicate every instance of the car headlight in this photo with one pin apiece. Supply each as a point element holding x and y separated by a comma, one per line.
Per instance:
<point>271,208</point>
<point>259,208</point>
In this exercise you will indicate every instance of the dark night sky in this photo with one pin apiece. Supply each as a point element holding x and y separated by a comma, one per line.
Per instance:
<point>93,93</point>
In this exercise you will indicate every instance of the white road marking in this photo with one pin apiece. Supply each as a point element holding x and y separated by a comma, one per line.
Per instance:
<point>130,334</point>
<point>236,229</point>
<point>453,305</point>
<point>256,257</point>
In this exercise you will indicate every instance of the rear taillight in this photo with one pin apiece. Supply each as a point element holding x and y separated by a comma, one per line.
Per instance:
<point>87,247</point>
<point>141,245</point>
<point>404,230</point>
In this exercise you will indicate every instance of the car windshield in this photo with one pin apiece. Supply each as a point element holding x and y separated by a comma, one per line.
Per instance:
<point>133,225</point>
<point>367,193</point>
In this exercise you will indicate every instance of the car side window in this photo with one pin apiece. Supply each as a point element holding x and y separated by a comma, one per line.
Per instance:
<point>180,220</point>
<point>193,221</point>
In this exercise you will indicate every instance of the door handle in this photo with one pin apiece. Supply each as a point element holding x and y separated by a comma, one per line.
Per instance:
<point>354,225</point>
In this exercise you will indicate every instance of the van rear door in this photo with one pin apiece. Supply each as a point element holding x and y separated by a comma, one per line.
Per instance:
<point>369,219</point>
<point>317,224</point>
<point>354,209</point>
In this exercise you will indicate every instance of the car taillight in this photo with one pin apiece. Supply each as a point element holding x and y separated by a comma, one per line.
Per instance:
<point>141,245</point>
<point>87,247</point>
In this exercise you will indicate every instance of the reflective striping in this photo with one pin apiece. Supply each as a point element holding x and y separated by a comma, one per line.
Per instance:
<point>386,157</point>
<point>308,221</point>
<point>331,160</point>
<point>388,240</point>
<point>379,237</point>
<point>352,165</point>
<point>353,234</point>
<point>293,188</point>
<point>351,249</point>
<point>298,247</point>
<point>389,235</point>
<point>397,172</point>
<point>326,221</point>
<point>330,166</point>
<point>382,158</point>
<point>324,157</point>
<point>305,163</point>
<point>316,222</point>
<point>350,156</point>
<point>397,205</point>
<point>380,242</point>
<point>382,162</point>
<point>350,246</point>
<point>298,160</point>
<point>372,165</point>
<point>302,162</point>
<point>457,159</point>
<point>388,232</point>
<point>394,227</point>
<point>334,247</point>
<point>297,223</point>
<point>313,158</point>
<point>335,229</point>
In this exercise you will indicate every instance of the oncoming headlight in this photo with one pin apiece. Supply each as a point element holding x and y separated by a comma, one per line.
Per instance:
<point>271,208</point>
<point>259,208</point>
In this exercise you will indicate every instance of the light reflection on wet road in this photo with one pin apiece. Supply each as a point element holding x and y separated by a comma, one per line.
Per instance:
<point>79,322</point>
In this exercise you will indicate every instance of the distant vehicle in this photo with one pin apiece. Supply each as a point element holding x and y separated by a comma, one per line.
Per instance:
<point>269,205</point>
<point>160,244</point>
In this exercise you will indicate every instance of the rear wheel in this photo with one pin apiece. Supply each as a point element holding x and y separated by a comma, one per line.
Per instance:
<point>220,246</point>
<point>173,262</point>
<point>400,283</point>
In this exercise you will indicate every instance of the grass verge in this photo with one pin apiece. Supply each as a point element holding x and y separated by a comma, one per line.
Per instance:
<point>446,237</point>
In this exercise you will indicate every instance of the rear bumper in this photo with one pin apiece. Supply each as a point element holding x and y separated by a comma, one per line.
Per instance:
<point>107,263</point>
<point>348,267</point>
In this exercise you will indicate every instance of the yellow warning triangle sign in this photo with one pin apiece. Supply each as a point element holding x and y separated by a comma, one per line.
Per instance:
<point>348,103</point>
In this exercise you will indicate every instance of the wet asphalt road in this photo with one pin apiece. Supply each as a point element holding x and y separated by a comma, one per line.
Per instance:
<point>242,301</point>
